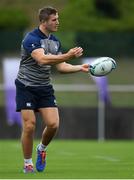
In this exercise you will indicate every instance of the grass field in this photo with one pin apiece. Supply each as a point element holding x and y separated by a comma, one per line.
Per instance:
<point>72,160</point>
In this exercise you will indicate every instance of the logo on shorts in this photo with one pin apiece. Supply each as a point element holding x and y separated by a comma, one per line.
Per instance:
<point>55,102</point>
<point>28,104</point>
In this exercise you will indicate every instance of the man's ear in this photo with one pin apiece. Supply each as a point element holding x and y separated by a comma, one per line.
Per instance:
<point>43,22</point>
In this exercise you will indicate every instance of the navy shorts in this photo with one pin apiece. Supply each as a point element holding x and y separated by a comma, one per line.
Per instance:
<point>29,97</point>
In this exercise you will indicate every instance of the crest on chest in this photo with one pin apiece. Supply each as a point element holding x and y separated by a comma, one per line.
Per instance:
<point>49,46</point>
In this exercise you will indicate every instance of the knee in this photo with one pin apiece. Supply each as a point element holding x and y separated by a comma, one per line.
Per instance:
<point>54,124</point>
<point>29,127</point>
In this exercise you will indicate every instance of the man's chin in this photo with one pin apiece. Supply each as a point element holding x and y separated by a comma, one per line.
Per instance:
<point>55,30</point>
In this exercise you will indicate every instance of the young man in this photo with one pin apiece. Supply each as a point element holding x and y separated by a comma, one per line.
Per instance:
<point>34,92</point>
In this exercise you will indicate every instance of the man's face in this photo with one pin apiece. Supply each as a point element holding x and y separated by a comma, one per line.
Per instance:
<point>52,23</point>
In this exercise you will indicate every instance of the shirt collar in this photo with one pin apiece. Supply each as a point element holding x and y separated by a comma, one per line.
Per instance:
<point>41,34</point>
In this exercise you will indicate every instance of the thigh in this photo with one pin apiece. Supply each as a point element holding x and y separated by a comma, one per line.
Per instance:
<point>28,117</point>
<point>50,115</point>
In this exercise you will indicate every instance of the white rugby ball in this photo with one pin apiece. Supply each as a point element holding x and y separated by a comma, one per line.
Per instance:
<point>102,66</point>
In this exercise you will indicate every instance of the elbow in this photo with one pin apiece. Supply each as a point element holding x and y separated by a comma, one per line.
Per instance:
<point>43,61</point>
<point>61,70</point>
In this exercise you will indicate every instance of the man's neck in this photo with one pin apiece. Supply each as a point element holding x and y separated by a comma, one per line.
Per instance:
<point>44,31</point>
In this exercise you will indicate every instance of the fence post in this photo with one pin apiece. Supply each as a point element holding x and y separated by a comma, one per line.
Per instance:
<point>101,120</point>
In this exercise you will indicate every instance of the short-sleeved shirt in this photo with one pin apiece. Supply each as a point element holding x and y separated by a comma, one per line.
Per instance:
<point>31,73</point>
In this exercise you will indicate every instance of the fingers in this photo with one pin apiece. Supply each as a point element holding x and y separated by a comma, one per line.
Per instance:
<point>78,51</point>
<point>85,67</point>
<point>75,52</point>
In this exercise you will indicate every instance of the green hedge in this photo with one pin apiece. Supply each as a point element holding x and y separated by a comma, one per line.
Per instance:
<point>13,19</point>
<point>82,15</point>
<point>115,44</point>
<point>11,40</point>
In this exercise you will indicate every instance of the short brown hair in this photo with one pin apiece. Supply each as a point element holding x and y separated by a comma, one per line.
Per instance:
<point>45,12</point>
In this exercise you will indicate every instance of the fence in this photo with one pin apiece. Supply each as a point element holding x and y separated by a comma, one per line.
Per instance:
<point>100,121</point>
<point>101,104</point>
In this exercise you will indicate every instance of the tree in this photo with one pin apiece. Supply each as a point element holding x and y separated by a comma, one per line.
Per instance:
<point>84,15</point>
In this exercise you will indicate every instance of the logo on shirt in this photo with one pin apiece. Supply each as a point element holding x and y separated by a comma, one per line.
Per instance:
<point>56,47</point>
<point>33,46</point>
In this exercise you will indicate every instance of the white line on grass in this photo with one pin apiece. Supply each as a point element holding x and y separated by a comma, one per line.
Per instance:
<point>65,153</point>
<point>108,158</point>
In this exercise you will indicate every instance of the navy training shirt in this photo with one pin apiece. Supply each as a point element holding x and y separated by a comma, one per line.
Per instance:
<point>31,73</point>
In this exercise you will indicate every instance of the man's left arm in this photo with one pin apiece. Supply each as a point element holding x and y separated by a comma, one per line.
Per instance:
<point>69,68</point>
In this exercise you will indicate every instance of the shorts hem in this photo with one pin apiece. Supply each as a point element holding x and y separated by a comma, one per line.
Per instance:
<point>35,109</point>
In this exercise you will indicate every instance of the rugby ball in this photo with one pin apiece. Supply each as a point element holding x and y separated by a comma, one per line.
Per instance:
<point>102,66</point>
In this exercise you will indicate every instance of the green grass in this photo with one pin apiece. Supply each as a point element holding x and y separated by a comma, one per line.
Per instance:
<point>89,99</point>
<point>76,99</point>
<point>73,159</point>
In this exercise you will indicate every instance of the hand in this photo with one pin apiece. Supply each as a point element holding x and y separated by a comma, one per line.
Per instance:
<point>85,67</point>
<point>75,52</point>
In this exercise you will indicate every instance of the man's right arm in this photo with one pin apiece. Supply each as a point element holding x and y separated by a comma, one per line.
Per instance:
<point>50,59</point>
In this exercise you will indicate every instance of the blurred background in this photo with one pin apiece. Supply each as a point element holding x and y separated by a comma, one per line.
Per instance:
<point>90,108</point>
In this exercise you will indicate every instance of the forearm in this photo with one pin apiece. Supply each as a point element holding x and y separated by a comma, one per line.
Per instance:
<point>50,59</point>
<point>68,68</point>
<point>54,59</point>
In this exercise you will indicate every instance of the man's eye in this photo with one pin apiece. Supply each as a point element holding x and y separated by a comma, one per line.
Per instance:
<point>54,20</point>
